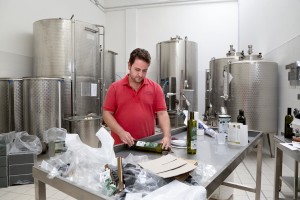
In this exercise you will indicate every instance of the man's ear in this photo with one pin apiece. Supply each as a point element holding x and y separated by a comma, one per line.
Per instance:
<point>129,65</point>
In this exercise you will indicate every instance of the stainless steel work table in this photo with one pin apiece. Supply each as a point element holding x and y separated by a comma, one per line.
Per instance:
<point>292,182</point>
<point>224,158</point>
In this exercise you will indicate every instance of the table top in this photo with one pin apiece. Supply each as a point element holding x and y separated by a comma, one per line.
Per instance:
<point>222,159</point>
<point>295,154</point>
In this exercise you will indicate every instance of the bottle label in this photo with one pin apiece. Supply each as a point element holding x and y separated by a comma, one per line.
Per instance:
<point>146,144</point>
<point>194,138</point>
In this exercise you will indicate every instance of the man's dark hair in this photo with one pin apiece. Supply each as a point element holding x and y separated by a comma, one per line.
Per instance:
<point>140,54</point>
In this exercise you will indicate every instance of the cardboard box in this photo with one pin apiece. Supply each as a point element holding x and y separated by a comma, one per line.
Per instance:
<point>3,182</point>
<point>20,179</point>
<point>3,171</point>
<point>20,169</point>
<point>21,158</point>
<point>3,161</point>
<point>4,149</point>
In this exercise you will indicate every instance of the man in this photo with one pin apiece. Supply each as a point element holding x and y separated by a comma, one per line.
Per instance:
<point>131,104</point>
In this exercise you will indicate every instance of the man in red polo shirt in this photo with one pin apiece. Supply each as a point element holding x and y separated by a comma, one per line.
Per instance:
<point>131,104</point>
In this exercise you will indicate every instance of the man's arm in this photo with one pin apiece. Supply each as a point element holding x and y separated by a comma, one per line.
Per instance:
<point>115,127</point>
<point>164,123</point>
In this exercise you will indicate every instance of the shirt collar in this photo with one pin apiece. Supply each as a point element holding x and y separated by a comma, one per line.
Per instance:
<point>125,80</point>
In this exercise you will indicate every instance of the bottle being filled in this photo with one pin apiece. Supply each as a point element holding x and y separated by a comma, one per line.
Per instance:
<point>191,135</point>
<point>149,146</point>
<point>241,117</point>
<point>288,131</point>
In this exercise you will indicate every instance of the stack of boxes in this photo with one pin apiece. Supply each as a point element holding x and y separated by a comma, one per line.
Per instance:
<point>20,168</point>
<point>15,168</point>
<point>4,148</point>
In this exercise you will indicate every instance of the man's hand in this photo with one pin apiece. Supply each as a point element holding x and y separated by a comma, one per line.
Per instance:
<point>166,142</point>
<point>126,138</point>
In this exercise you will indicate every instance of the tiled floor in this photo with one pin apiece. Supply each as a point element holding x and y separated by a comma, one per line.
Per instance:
<point>241,175</point>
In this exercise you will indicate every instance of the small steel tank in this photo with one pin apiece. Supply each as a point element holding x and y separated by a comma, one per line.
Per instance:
<point>215,104</point>
<point>178,69</point>
<point>11,105</point>
<point>42,104</point>
<point>86,127</point>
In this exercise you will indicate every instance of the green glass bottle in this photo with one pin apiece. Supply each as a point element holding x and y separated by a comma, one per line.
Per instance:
<point>241,117</point>
<point>191,135</point>
<point>148,146</point>
<point>288,131</point>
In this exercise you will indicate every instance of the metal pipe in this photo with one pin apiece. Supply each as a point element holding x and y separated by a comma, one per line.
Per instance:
<point>102,82</point>
<point>73,71</point>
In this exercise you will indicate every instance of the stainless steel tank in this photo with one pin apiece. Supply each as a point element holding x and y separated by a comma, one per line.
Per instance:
<point>215,86</point>
<point>109,69</point>
<point>11,105</point>
<point>70,49</point>
<point>178,74</point>
<point>42,104</point>
<point>86,127</point>
<point>252,86</point>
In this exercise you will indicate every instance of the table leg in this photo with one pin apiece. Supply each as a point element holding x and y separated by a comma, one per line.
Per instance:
<point>258,171</point>
<point>40,190</point>
<point>296,180</point>
<point>278,172</point>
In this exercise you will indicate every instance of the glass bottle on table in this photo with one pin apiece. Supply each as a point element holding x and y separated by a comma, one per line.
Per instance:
<point>288,131</point>
<point>149,146</point>
<point>191,135</point>
<point>241,117</point>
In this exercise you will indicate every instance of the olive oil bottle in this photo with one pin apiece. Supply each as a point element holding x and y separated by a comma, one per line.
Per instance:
<point>191,135</point>
<point>148,146</point>
<point>241,117</point>
<point>288,131</point>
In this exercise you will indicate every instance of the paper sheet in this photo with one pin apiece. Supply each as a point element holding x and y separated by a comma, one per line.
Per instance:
<point>168,166</point>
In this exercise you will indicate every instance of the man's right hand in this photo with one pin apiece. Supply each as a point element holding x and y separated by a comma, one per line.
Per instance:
<point>126,138</point>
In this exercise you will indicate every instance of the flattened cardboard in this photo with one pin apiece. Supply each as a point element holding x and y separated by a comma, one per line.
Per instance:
<point>168,166</point>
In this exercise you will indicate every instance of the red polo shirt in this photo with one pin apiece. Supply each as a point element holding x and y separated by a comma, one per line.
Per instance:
<point>135,110</point>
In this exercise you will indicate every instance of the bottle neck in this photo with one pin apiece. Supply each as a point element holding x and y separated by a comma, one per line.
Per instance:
<point>191,115</point>
<point>289,111</point>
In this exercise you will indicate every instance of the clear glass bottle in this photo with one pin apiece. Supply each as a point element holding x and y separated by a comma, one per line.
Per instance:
<point>288,131</point>
<point>241,117</point>
<point>148,146</point>
<point>191,135</point>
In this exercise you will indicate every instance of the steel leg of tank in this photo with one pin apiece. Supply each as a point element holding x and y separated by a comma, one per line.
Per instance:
<point>270,145</point>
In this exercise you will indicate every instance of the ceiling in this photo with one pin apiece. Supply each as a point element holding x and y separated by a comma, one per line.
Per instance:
<point>107,5</point>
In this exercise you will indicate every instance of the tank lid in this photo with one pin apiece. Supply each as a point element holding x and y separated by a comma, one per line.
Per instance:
<point>82,118</point>
<point>43,78</point>
<point>10,79</point>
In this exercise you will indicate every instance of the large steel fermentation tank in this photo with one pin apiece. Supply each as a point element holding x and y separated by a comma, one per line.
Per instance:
<point>11,105</point>
<point>253,86</point>
<point>42,104</point>
<point>72,50</point>
<point>109,69</point>
<point>178,69</point>
<point>215,105</point>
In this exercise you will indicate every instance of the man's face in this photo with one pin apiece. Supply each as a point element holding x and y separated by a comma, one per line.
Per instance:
<point>138,70</point>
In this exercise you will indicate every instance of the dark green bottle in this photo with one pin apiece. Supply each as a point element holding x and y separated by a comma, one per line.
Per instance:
<point>191,135</point>
<point>288,131</point>
<point>148,146</point>
<point>241,117</point>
